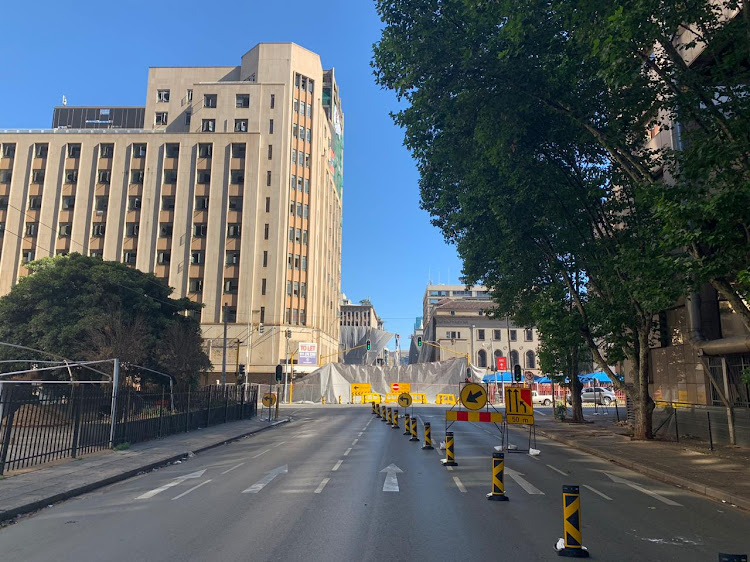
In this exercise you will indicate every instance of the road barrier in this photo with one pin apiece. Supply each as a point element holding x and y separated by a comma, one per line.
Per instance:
<point>407,421</point>
<point>419,397</point>
<point>383,414</point>
<point>374,412</point>
<point>498,483</point>
<point>427,437</point>
<point>414,430</point>
<point>450,452</point>
<point>392,397</point>
<point>395,419</point>
<point>372,397</point>
<point>446,399</point>
<point>390,415</point>
<point>570,545</point>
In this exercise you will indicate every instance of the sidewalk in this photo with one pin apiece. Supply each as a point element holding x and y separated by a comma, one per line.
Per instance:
<point>722,474</point>
<point>29,491</point>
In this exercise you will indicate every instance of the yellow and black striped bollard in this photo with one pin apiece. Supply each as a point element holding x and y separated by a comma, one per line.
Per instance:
<point>450,452</point>
<point>407,421</point>
<point>427,437</point>
<point>395,418</point>
<point>374,410</point>
<point>498,485</point>
<point>572,546</point>
<point>414,430</point>
<point>390,416</point>
<point>384,413</point>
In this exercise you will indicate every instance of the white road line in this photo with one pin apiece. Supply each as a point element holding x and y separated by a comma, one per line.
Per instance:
<point>533,457</point>
<point>261,453</point>
<point>175,482</point>
<point>231,469</point>
<point>459,485</point>
<point>635,486</point>
<point>321,485</point>
<point>354,442</point>
<point>337,465</point>
<point>279,444</point>
<point>349,450</point>
<point>525,484</point>
<point>605,496</point>
<point>558,470</point>
<point>359,434</point>
<point>449,468</point>
<point>186,492</point>
<point>270,475</point>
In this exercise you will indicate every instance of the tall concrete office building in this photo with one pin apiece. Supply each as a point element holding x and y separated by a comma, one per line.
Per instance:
<point>227,185</point>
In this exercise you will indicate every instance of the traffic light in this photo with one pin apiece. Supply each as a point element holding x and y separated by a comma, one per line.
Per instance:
<point>260,328</point>
<point>241,368</point>
<point>288,334</point>
<point>368,345</point>
<point>517,375</point>
<point>419,341</point>
<point>279,372</point>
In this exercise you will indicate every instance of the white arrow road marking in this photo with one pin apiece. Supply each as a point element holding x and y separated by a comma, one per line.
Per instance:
<point>185,493</point>
<point>642,489</point>
<point>321,485</point>
<point>459,484</point>
<point>175,482</point>
<point>263,482</point>
<point>605,496</point>
<point>525,484</point>
<point>391,480</point>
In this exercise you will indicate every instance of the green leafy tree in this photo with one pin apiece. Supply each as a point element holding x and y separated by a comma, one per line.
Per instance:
<point>85,308</point>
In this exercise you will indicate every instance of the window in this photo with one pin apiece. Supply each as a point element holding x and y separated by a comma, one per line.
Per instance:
<point>242,101</point>
<point>5,176</point>
<point>104,176</point>
<point>480,335</point>
<point>270,151</point>
<point>273,100</point>
<point>3,202</point>
<point>295,106</point>
<point>167,203</point>
<point>208,125</point>
<point>102,202</point>
<point>188,117</point>
<point>240,125</point>
<point>295,291</point>
<point>304,263</point>
<point>268,178</point>
<point>496,334</point>
<point>235,203</point>
<point>268,204</point>
<point>238,150</point>
<point>134,202</point>
<point>513,359</point>
<point>205,150</point>
<point>170,176</point>
<point>262,286</point>
<point>35,202</point>
<point>161,118</point>
<point>165,230</point>
<point>230,285</point>
<point>297,236</point>
<point>237,177</point>
<point>64,229</point>
<point>307,185</point>
<point>74,150</point>
<point>294,156</point>
<point>204,176</point>
<point>307,160</point>
<point>209,100</point>
<point>201,203</point>
<point>37,176</point>
<point>289,260</point>
<point>136,176</point>
<point>196,257</point>
<point>294,130</point>
<point>289,288</point>
<point>189,95</point>
<point>528,334</point>
<point>306,211</point>
<point>482,359</point>
<point>234,230</point>
<point>139,150</point>
<point>131,229</point>
<point>40,150</point>
<point>162,96</point>
<point>303,290</point>
<point>309,135</point>
<point>129,257</point>
<point>163,257</point>
<point>530,360</point>
<point>68,202</point>
<point>98,230</point>
<point>291,233</point>
<point>270,127</point>
<point>300,158</point>
<point>172,150</point>
<point>513,335</point>
<point>302,107</point>
<point>299,209</point>
<point>106,150</point>
<point>304,237</point>
<point>98,254</point>
<point>230,314</point>
<point>199,229</point>
<point>195,285</point>
<point>265,232</point>
<point>28,255</point>
<point>232,257</point>
<point>71,176</point>
<point>296,262</point>
<point>309,110</point>
<point>265,258</point>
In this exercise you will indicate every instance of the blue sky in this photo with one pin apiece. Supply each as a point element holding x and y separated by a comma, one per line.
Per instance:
<point>98,53</point>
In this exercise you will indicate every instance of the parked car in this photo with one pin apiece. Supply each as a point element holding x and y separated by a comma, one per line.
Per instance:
<point>595,394</point>
<point>541,399</point>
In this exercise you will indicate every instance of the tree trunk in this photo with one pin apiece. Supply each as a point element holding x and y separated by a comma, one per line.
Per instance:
<point>575,389</point>
<point>638,392</point>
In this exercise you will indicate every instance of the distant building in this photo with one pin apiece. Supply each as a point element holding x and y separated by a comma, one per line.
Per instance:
<point>362,314</point>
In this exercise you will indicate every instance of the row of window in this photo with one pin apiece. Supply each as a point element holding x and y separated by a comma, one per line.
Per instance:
<point>530,357</point>
<point>298,235</point>
<point>300,183</point>
<point>304,109</point>
<point>241,101</point>
<point>302,210</point>
<point>528,334</point>
<point>296,289</point>
<point>301,133</point>
<point>295,261</point>
<point>296,316</point>
<point>303,82</point>
<point>301,158</point>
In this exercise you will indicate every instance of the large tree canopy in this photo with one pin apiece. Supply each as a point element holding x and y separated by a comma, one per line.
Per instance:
<point>79,307</point>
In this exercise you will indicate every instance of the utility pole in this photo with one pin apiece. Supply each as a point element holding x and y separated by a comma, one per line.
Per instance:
<point>288,334</point>
<point>224,352</point>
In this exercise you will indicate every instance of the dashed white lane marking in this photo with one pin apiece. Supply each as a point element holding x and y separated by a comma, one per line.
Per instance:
<point>449,468</point>
<point>605,496</point>
<point>227,471</point>
<point>533,457</point>
<point>261,453</point>
<point>349,450</point>
<point>186,492</point>
<point>459,484</point>
<point>321,485</point>
<point>174,482</point>
<point>360,434</point>
<point>635,486</point>
<point>525,484</point>
<point>354,442</point>
<point>279,444</point>
<point>337,465</point>
<point>558,470</point>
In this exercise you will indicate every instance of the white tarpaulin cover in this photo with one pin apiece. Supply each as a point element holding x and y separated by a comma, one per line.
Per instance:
<point>334,380</point>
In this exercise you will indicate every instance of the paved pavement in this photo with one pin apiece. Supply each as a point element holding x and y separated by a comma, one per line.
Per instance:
<point>336,483</point>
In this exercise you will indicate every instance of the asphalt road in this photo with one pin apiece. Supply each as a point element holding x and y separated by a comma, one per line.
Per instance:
<point>313,489</point>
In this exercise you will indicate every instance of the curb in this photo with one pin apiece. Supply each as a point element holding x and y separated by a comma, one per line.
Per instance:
<point>708,491</point>
<point>39,504</point>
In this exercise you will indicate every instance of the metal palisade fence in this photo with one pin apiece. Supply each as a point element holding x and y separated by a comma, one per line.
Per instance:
<point>44,422</point>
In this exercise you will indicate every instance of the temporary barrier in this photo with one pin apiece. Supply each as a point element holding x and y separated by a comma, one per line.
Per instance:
<point>407,421</point>
<point>461,415</point>
<point>498,485</point>
<point>372,397</point>
<point>446,399</point>
<point>450,452</point>
<point>427,437</point>
<point>391,398</point>
<point>395,419</point>
<point>570,545</point>
<point>419,397</point>
<point>413,428</point>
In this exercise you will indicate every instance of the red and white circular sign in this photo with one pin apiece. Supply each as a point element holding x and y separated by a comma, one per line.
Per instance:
<point>394,387</point>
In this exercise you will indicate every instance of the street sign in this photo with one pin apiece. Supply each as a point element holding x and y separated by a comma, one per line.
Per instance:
<point>474,396</point>
<point>529,376</point>
<point>308,353</point>
<point>404,400</point>
<point>399,387</point>
<point>518,402</point>
<point>269,399</point>
<point>456,415</point>
<point>523,420</point>
<point>360,388</point>
<point>501,363</point>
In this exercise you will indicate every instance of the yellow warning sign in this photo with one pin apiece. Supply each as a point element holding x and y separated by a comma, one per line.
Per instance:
<point>360,388</point>
<point>518,402</point>
<point>269,399</point>
<point>521,420</point>
<point>404,400</point>
<point>474,396</point>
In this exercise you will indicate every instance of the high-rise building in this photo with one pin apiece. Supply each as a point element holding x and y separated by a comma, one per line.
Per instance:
<point>227,185</point>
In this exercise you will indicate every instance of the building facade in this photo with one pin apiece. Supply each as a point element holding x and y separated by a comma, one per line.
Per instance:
<point>361,314</point>
<point>230,190</point>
